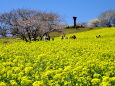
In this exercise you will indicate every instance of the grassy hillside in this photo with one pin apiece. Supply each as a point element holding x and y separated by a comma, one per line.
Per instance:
<point>85,61</point>
<point>73,30</point>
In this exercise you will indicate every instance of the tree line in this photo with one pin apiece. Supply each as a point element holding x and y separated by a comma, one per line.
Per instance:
<point>29,24</point>
<point>105,19</point>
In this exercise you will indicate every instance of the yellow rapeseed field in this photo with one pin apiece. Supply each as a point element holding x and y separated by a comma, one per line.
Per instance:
<point>85,61</point>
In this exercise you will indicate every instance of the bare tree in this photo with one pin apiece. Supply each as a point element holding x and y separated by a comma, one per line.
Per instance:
<point>94,23</point>
<point>8,20</point>
<point>29,29</point>
<point>107,18</point>
<point>28,24</point>
<point>3,31</point>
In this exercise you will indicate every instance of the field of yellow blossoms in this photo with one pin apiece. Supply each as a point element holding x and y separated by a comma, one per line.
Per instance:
<point>85,61</point>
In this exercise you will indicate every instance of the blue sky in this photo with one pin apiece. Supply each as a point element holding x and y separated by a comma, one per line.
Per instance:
<point>85,10</point>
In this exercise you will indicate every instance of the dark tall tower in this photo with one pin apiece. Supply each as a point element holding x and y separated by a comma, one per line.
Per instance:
<point>74,18</point>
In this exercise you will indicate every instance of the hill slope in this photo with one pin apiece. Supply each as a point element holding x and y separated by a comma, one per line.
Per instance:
<point>85,61</point>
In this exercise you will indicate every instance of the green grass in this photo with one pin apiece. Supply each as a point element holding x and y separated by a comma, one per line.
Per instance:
<point>72,30</point>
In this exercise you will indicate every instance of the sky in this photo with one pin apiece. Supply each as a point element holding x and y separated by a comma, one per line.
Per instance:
<point>84,10</point>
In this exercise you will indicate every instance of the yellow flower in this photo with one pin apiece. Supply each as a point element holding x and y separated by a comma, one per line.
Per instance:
<point>2,83</point>
<point>13,83</point>
<point>95,81</point>
<point>38,83</point>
